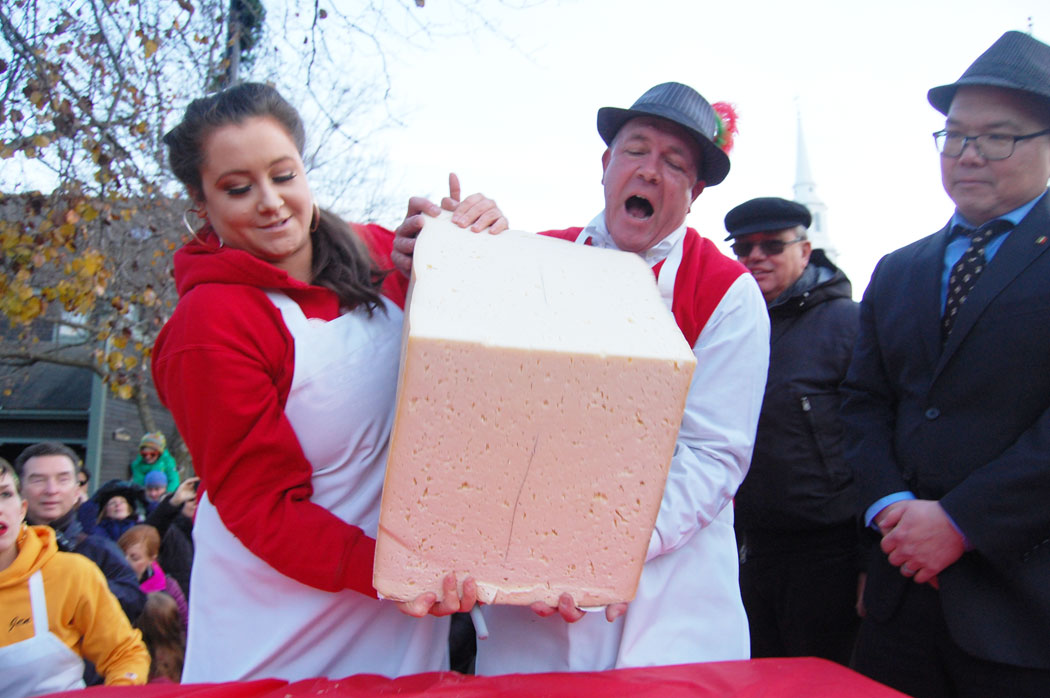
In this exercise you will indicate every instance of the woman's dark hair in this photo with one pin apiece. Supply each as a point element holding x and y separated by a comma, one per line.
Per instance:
<point>341,261</point>
<point>164,635</point>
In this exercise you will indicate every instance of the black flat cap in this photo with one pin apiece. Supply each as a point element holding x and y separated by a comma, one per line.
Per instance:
<point>1016,61</point>
<point>766,213</point>
<point>682,105</point>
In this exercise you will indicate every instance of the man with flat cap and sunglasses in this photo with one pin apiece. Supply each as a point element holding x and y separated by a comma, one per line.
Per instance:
<point>660,154</point>
<point>796,510</point>
<point>947,405</point>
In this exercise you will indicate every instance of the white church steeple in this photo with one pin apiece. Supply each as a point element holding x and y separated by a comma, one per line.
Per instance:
<point>806,194</point>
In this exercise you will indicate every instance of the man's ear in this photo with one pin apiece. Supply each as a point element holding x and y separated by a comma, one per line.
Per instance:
<point>606,156</point>
<point>697,188</point>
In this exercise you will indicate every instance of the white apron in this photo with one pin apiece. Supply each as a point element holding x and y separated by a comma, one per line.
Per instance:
<point>248,621</point>
<point>42,664</point>
<point>677,592</point>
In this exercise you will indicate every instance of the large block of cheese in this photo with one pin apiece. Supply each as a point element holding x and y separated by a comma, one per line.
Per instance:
<point>541,390</point>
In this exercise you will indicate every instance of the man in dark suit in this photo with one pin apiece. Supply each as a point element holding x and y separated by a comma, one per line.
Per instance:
<point>947,406</point>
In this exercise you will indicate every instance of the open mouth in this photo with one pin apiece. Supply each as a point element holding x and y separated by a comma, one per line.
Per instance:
<point>638,207</point>
<point>3,528</point>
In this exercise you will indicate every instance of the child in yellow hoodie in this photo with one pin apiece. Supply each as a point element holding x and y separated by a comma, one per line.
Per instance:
<point>56,611</point>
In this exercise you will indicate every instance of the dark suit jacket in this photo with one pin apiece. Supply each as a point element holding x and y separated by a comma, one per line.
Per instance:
<point>968,425</point>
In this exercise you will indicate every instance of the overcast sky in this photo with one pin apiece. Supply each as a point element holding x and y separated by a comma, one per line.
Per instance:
<point>517,121</point>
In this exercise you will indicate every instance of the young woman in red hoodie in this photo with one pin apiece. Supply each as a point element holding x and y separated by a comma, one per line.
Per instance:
<point>279,365</point>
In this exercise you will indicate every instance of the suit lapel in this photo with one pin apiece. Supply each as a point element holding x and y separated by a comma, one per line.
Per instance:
<point>1017,252</point>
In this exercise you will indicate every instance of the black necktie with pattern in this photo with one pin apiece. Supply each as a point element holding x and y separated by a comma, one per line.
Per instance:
<point>965,272</point>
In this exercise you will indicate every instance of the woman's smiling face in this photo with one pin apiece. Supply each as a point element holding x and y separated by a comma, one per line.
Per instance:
<point>255,193</point>
<point>117,508</point>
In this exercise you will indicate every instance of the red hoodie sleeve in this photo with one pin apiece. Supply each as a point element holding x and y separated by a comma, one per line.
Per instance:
<point>223,365</point>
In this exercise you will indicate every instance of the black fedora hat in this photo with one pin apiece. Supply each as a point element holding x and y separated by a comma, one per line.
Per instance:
<point>1016,61</point>
<point>682,105</point>
<point>764,214</point>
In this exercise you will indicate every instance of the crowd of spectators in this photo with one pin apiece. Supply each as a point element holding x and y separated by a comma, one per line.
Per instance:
<point>888,459</point>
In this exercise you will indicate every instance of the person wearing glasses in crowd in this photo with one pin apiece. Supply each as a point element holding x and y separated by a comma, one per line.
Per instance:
<point>795,511</point>
<point>947,404</point>
<point>154,456</point>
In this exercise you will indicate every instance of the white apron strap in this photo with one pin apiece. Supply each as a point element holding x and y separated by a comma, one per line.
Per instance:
<point>38,602</point>
<point>669,272</point>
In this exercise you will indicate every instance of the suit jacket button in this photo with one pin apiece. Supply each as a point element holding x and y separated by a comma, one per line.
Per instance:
<point>932,413</point>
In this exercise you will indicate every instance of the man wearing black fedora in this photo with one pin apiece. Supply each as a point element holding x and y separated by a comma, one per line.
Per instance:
<point>947,406</point>
<point>660,155</point>
<point>796,510</point>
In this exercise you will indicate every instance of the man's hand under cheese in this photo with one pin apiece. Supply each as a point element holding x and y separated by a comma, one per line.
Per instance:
<point>571,613</point>
<point>477,212</point>
<point>451,602</point>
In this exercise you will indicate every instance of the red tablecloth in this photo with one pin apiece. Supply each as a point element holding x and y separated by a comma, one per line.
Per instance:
<point>765,678</point>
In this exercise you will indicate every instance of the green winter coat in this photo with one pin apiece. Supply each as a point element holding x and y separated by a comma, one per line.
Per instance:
<point>166,464</point>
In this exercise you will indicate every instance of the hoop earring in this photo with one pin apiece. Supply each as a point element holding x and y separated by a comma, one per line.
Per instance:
<point>186,221</point>
<point>315,219</point>
<point>195,233</point>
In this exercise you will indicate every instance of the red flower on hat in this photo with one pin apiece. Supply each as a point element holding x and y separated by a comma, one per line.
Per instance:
<point>727,129</point>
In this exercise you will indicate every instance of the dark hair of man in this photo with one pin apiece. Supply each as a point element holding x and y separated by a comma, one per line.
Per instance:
<point>341,261</point>
<point>46,448</point>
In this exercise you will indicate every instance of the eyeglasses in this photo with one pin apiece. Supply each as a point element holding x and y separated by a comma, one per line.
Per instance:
<point>770,248</point>
<point>990,146</point>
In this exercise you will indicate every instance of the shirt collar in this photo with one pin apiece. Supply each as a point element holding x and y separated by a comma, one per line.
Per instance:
<point>1014,217</point>
<point>600,237</point>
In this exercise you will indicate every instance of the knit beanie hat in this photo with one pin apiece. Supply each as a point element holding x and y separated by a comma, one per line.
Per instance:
<point>154,440</point>
<point>156,478</point>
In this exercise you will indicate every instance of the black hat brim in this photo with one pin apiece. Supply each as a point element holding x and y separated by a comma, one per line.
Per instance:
<point>716,163</point>
<point>766,226</point>
<point>941,97</point>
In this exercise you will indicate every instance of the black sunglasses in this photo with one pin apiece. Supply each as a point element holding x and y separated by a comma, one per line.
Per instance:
<point>770,248</point>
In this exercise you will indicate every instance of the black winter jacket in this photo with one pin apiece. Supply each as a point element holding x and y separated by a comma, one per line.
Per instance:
<point>176,544</point>
<point>110,559</point>
<point>799,480</point>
